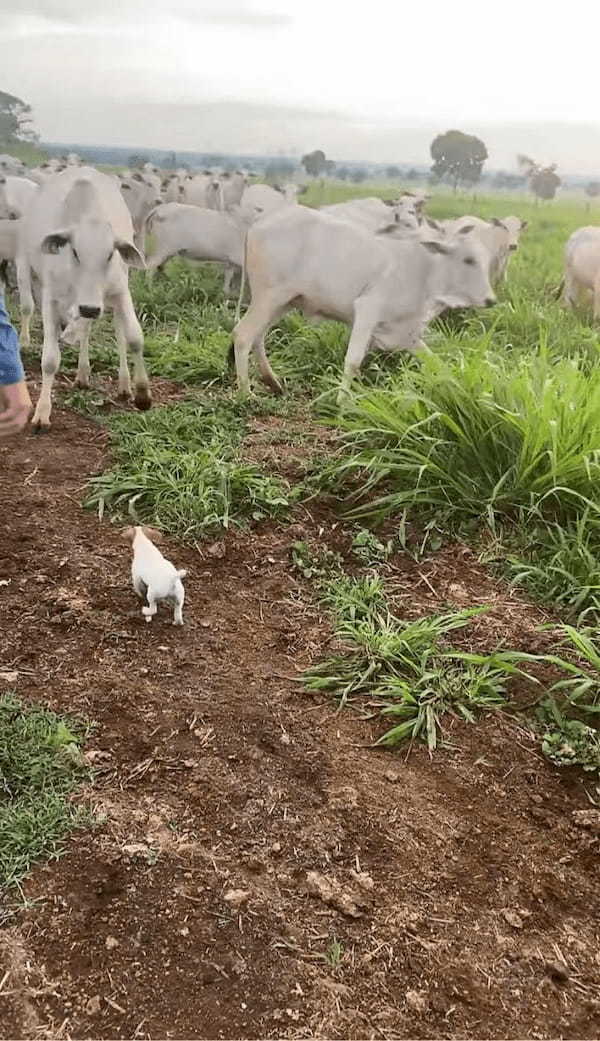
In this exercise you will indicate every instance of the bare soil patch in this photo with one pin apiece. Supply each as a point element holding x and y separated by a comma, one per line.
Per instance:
<point>244,827</point>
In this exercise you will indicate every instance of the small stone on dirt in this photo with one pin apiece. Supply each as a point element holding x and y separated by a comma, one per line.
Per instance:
<point>331,893</point>
<point>237,897</point>
<point>216,549</point>
<point>512,918</point>
<point>417,1000</point>
<point>363,879</point>
<point>93,1006</point>
<point>9,677</point>
<point>557,971</point>
<point>392,776</point>
<point>110,943</point>
<point>588,819</point>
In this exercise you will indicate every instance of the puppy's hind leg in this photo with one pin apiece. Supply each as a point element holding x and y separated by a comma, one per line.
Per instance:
<point>151,609</point>
<point>179,596</point>
<point>140,587</point>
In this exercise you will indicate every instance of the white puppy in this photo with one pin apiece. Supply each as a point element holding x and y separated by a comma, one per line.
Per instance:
<point>154,577</point>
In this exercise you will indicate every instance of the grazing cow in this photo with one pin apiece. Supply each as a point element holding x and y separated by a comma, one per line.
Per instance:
<point>173,186</point>
<point>77,237</point>
<point>11,166</point>
<point>232,188</point>
<point>582,268</point>
<point>202,190</point>
<point>499,238</point>
<point>141,197</point>
<point>259,199</point>
<point>197,234</point>
<point>385,289</point>
<point>376,214</point>
<point>9,242</point>
<point>16,196</point>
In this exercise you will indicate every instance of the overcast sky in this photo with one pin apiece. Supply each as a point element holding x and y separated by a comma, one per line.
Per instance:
<point>369,80</point>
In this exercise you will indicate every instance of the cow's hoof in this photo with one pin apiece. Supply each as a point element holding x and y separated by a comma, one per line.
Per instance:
<point>83,384</point>
<point>124,396</point>
<point>143,400</point>
<point>40,428</point>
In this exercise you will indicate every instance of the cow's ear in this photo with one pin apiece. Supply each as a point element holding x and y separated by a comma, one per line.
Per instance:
<point>129,253</point>
<point>390,202</point>
<point>54,243</point>
<point>466,229</point>
<point>434,246</point>
<point>497,223</point>
<point>125,187</point>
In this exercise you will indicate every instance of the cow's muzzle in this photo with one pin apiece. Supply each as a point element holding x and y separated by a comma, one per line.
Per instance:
<point>88,312</point>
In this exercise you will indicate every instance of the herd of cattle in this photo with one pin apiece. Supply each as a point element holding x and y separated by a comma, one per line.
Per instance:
<point>383,267</point>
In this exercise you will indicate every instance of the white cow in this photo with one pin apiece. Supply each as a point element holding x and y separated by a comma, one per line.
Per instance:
<point>197,234</point>
<point>141,197</point>
<point>376,214</point>
<point>385,289</point>
<point>73,159</point>
<point>582,268</point>
<point>16,196</point>
<point>204,190</point>
<point>259,199</point>
<point>77,237</point>
<point>172,189</point>
<point>232,188</point>
<point>9,165</point>
<point>9,242</point>
<point>499,238</point>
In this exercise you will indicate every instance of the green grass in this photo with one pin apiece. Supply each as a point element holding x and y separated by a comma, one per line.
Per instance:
<point>40,768</point>
<point>179,467</point>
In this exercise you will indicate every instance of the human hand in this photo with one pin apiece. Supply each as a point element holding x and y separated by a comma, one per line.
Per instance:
<point>15,407</point>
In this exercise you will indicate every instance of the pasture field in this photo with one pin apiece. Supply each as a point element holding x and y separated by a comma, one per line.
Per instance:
<point>357,795</point>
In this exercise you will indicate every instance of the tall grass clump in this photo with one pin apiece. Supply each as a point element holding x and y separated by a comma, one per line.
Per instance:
<point>40,767</point>
<point>481,434</point>
<point>179,467</point>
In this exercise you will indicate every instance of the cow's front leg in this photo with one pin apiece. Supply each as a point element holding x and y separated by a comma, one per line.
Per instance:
<point>365,320</point>
<point>50,360</point>
<point>129,334</point>
<point>83,365</point>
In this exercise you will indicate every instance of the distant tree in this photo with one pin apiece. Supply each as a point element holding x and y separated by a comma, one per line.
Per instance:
<point>15,121</point>
<point>412,174</point>
<point>544,182</point>
<point>136,162</point>
<point>315,163</point>
<point>458,157</point>
<point>592,190</point>
<point>393,173</point>
<point>330,167</point>
<point>358,174</point>
<point>170,161</point>
<point>343,173</point>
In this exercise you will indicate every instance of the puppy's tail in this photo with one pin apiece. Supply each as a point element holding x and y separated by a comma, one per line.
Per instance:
<point>182,573</point>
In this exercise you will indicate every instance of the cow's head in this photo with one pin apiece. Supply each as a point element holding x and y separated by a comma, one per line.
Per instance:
<point>462,275</point>
<point>92,253</point>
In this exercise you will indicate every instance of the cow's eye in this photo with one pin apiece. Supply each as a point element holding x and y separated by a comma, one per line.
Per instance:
<point>75,254</point>
<point>470,261</point>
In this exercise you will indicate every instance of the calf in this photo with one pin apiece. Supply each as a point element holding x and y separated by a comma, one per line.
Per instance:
<point>376,214</point>
<point>385,289</point>
<point>197,234</point>
<point>77,237</point>
<point>16,195</point>
<point>499,238</point>
<point>582,268</point>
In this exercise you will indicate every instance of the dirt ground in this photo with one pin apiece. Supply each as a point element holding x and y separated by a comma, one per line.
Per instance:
<point>245,829</point>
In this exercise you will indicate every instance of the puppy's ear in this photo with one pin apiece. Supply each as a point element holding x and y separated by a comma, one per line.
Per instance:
<point>153,534</point>
<point>128,534</point>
